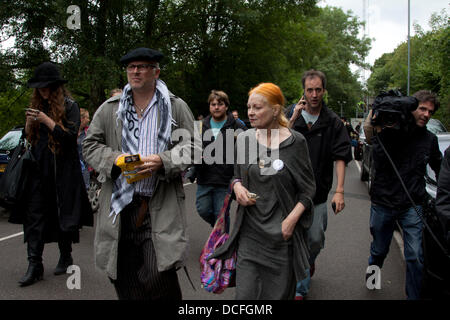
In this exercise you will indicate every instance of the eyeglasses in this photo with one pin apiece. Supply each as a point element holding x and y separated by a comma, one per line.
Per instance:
<point>139,67</point>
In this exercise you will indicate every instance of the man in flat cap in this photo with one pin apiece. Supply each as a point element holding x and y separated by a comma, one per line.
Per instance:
<point>140,238</point>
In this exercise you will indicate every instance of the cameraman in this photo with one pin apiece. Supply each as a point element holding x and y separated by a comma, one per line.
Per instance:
<point>402,130</point>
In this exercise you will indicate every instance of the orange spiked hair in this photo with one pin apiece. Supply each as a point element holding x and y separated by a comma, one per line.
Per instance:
<point>275,97</point>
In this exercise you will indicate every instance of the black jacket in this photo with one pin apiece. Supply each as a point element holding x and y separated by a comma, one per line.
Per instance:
<point>72,203</point>
<point>328,141</point>
<point>410,153</point>
<point>443,195</point>
<point>218,174</point>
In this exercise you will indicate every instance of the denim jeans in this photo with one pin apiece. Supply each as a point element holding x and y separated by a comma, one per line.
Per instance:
<point>382,221</point>
<point>316,242</point>
<point>209,202</point>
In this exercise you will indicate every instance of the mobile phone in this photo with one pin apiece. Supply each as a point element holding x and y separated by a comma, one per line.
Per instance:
<point>303,98</point>
<point>31,109</point>
<point>333,205</point>
<point>251,195</point>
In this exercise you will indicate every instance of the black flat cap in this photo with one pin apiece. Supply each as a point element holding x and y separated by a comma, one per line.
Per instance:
<point>144,54</point>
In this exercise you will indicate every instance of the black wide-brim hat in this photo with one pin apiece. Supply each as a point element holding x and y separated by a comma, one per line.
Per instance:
<point>46,75</point>
<point>144,54</point>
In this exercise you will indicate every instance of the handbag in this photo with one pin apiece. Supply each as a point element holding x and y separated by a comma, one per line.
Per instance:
<point>217,274</point>
<point>15,177</point>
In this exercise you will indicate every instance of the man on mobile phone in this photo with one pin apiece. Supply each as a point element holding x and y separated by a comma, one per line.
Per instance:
<point>141,230</point>
<point>328,144</point>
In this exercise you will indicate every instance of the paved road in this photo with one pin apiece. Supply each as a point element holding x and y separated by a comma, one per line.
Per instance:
<point>340,268</point>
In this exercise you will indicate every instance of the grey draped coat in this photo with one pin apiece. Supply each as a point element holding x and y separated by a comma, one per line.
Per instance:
<point>292,184</point>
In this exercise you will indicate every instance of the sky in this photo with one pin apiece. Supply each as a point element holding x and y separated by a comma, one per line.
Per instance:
<point>388,20</point>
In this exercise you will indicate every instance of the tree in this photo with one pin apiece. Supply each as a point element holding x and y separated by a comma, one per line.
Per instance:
<point>430,66</point>
<point>208,44</point>
<point>341,47</point>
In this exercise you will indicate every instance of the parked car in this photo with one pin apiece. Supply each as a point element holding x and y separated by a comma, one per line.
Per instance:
<point>358,150</point>
<point>94,191</point>
<point>366,159</point>
<point>436,279</point>
<point>435,126</point>
<point>7,145</point>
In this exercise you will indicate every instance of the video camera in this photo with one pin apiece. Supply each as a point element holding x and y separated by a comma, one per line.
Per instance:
<point>393,110</point>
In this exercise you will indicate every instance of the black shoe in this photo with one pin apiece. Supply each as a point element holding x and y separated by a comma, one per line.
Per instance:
<point>63,263</point>
<point>34,273</point>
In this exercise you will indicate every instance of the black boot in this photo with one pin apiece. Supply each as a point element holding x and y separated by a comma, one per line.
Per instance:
<point>34,273</point>
<point>35,270</point>
<point>63,263</point>
<point>65,258</point>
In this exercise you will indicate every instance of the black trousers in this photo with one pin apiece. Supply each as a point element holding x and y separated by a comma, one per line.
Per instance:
<point>137,273</point>
<point>41,222</point>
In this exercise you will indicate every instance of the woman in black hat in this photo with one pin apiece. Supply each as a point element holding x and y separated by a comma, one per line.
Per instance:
<point>56,204</point>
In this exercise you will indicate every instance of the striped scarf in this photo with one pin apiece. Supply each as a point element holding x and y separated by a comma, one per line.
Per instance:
<point>122,193</point>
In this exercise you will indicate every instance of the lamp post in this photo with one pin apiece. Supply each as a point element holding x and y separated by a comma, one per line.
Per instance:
<point>409,45</point>
<point>340,104</point>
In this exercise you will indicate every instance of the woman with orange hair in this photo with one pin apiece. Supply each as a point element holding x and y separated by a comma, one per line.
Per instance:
<point>55,205</point>
<point>274,186</point>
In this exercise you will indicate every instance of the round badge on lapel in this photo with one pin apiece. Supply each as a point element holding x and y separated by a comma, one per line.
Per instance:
<point>278,164</point>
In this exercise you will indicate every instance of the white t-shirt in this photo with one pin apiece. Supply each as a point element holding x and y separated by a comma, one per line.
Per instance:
<point>309,118</point>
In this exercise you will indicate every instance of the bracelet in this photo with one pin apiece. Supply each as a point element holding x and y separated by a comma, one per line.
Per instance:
<point>339,192</point>
<point>232,184</point>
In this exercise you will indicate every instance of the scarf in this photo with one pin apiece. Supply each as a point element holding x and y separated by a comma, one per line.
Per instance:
<point>122,193</point>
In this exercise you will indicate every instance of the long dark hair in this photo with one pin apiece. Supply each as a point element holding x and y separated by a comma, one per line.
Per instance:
<point>56,111</point>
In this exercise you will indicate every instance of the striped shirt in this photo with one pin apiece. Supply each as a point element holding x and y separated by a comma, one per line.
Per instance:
<point>148,144</point>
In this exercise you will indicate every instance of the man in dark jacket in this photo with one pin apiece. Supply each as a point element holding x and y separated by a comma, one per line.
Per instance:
<point>410,151</point>
<point>215,172</point>
<point>328,143</point>
<point>443,196</point>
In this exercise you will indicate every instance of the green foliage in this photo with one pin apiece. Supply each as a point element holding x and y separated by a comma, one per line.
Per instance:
<point>12,111</point>
<point>341,48</point>
<point>430,65</point>
<point>208,44</point>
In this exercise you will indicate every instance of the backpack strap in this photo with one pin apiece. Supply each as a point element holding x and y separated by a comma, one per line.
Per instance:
<point>290,111</point>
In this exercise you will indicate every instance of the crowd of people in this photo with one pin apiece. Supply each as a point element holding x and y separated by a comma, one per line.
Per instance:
<point>281,186</point>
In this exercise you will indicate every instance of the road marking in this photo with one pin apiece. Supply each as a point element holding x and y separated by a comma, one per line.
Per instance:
<point>358,165</point>
<point>21,233</point>
<point>11,236</point>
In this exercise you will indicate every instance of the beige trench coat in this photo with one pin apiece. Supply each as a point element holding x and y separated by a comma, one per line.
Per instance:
<point>102,145</point>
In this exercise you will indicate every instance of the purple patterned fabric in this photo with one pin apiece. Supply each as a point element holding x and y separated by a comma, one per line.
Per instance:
<point>216,274</point>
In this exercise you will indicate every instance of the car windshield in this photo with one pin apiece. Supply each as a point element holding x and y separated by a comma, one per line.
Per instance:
<point>444,143</point>
<point>436,126</point>
<point>361,133</point>
<point>10,140</point>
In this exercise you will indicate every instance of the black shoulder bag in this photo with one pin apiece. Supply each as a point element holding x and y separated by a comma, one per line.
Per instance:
<point>15,177</point>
